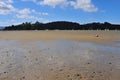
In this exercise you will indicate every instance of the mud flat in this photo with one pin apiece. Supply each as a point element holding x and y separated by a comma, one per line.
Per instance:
<point>84,36</point>
<point>59,55</point>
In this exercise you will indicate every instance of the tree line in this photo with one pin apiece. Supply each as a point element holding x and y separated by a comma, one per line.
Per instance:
<point>63,25</point>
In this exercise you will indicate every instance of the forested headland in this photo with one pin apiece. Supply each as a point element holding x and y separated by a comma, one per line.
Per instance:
<point>63,25</point>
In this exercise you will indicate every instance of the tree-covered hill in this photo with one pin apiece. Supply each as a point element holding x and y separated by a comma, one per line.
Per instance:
<point>63,25</point>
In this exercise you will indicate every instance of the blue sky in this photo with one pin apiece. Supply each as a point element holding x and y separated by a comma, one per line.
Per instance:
<point>81,11</point>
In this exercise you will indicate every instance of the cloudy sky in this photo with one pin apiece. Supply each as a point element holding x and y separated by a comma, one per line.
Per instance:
<point>81,11</point>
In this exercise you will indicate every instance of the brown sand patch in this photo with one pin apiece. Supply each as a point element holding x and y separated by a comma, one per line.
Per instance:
<point>85,36</point>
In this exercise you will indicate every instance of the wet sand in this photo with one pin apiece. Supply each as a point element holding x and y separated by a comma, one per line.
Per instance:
<point>59,55</point>
<point>84,36</point>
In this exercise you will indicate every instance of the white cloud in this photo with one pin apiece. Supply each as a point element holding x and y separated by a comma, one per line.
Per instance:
<point>40,13</point>
<point>7,1</point>
<point>85,5</point>
<point>25,16</point>
<point>30,0</point>
<point>6,7</point>
<point>54,3</point>
<point>26,13</point>
<point>10,1</point>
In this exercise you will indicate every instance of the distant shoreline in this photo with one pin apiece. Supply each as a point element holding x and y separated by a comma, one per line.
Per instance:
<point>63,25</point>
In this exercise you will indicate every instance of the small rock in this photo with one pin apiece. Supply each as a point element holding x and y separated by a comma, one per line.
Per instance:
<point>92,76</point>
<point>5,72</point>
<point>36,59</point>
<point>94,72</point>
<point>23,77</point>
<point>77,74</point>
<point>51,69</point>
<point>96,35</point>
<point>61,70</point>
<point>110,63</point>
<point>68,75</point>
<point>88,63</point>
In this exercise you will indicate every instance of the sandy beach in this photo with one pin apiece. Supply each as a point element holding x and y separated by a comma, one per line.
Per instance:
<point>59,55</point>
<point>84,36</point>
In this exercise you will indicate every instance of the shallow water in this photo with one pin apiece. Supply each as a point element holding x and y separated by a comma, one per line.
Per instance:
<point>58,60</point>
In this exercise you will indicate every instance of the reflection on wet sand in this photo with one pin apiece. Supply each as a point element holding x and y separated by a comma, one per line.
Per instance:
<point>58,60</point>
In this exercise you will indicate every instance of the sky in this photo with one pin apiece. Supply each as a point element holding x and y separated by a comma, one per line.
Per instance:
<point>13,12</point>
